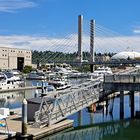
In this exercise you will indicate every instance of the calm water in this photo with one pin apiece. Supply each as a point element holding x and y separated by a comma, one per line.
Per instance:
<point>88,126</point>
<point>102,126</point>
<point>14,99</point>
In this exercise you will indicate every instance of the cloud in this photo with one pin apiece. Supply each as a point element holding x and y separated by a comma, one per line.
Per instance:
<point>69,43</point>
<point>136,31</point>
<point>136,28</point>
<point>14,5</point>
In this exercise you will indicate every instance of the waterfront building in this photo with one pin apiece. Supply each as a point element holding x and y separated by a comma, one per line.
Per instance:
<point>102,58</point>
<point>49,66</point>
<point>14,58</point>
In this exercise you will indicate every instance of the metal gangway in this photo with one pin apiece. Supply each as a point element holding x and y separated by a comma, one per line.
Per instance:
<point>58,106</point>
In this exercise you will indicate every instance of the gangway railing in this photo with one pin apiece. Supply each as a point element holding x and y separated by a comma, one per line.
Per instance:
<point>56,108</point>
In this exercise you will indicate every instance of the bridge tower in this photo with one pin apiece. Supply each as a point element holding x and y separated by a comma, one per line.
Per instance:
<point>92,46</point>
<point>80,24</point>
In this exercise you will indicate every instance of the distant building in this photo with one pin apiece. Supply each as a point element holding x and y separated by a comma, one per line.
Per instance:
<point>102,58</point>
<point>126,55</point>
<point>49,66</point>
<point>13,58</point>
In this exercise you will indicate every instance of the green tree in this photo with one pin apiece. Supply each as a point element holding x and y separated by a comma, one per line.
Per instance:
<point>27,69</point>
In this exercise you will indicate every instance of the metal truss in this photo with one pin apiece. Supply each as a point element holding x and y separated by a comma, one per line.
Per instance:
<point>56,108</point>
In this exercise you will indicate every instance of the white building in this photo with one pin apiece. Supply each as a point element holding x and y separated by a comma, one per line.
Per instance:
<point>126,55</point>
<point>13,58</point>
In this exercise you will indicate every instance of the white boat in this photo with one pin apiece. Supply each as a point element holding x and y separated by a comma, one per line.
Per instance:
<point>7,83</point>
<point>15,76</point>
<point>100,72</point>
<point>59,83</point>
<point>36,75</point>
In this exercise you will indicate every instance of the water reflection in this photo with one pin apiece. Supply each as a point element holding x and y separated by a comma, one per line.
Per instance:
<point>14,99</point>
<point>124,130</point>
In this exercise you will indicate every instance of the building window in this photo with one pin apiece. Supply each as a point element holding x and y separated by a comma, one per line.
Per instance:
<point>3,50</point>
<point>2,54</point>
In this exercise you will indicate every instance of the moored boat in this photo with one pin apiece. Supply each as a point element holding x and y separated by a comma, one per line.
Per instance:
<point>59,83</point>
<point>7,82</point>
<point>36,75</point>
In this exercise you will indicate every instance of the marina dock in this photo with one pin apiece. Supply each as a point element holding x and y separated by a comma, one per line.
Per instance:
<point>14,124</point>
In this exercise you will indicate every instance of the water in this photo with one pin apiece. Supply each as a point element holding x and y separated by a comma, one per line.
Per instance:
<point>88,126</point>
<point>14,99</point>
<point>102,126</point>
<point>122,130</point>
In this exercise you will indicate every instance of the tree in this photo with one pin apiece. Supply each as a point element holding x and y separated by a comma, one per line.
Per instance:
<point>27,69</point>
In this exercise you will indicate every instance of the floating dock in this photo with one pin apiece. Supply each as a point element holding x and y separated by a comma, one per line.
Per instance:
<point>14,124</point>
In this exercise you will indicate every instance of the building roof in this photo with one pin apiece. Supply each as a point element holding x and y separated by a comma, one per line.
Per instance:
<point>126,55</point>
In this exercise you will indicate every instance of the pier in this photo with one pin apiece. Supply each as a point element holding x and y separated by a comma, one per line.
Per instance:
<point>14,123</point>
<point>47,114</point>
<point>129,82</point>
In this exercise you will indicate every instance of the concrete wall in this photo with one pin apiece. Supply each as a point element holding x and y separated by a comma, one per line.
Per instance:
<point>13,62</point>
<point>3,63</point>
<point>8,57</point>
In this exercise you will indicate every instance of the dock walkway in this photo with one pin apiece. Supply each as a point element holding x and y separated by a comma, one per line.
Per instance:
<point>14,125</point>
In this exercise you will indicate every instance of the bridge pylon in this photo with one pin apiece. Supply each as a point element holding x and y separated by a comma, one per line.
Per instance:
<point>92,46</point>
<point>80,28</point>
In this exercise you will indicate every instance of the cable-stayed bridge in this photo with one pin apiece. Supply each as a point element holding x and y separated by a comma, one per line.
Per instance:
<point>88,45</point>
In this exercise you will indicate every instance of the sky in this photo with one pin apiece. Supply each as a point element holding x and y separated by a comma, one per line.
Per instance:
<point>52,24</point>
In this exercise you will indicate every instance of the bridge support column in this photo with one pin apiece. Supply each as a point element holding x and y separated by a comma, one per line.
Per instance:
<point>132,103</point>
<point>106,107</point>
<point>92,47</point>
<point>91,68</point>
<point>80,24</point>
<point>80,118</point>
<point>121,104</point>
